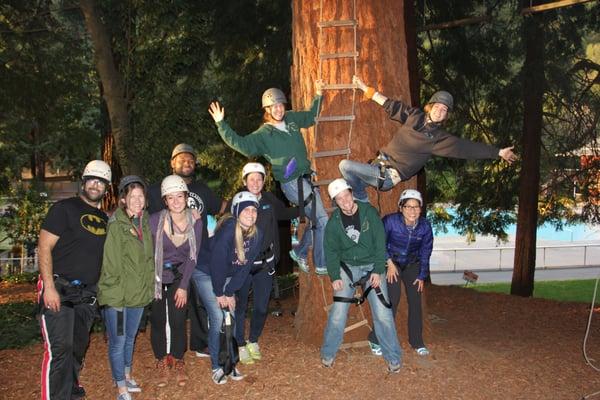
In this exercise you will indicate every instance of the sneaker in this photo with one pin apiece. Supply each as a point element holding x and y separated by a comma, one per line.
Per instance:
<point>180,375</point>
<point>163,372</point>
<point>375,349</point>
<point>254,351</point>
<point>124,396</point>
<point>245,357</point>
<point>302,265</point>
<point>327,362</point>
<point>394,368</point>
<point>218,376</point>
<point>203,354</point>
<point>321,270</point>
<point>422,351</point>
<point>236,375</point>
<point>132,386</point>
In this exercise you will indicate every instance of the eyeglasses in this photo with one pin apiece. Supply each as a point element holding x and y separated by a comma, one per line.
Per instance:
<point>412,208</point>
<point>96,181</point>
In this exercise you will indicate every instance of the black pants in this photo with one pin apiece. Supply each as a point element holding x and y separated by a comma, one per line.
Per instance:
<point>262,284</point>
<point>198,320</point>
<point>415,313</point>
<point>66,336</point>
<point>171,337</point>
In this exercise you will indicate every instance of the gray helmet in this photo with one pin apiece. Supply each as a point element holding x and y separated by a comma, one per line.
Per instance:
<point>128,180</point>
<point>273,96</point>
<point>183,148</point>
<point>444,98</point>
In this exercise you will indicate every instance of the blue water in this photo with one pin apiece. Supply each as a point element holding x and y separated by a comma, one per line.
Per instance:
<point>569,233</point>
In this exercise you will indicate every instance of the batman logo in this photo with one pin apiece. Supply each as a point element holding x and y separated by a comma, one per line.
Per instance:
<point>93,224</point>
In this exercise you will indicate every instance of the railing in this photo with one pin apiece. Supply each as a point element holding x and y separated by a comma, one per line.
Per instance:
<point>502,258</point>
<point>14,265</point>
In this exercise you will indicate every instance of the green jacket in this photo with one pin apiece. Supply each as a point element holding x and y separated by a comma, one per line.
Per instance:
<point>278,147</point>
<point>127,276</point>
<point>370,248</point>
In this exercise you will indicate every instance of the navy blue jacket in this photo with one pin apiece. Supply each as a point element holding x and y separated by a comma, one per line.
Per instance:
<point>220,260</point>
<point>405,246</point>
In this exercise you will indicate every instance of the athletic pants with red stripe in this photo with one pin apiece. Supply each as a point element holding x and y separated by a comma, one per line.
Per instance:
<point>66,335</point>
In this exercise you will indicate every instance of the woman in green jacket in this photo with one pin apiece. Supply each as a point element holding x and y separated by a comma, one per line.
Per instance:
<point>280,141</point>
<point>127,280</point>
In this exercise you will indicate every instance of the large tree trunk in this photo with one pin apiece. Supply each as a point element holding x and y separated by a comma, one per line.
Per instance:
<point>112,83</point>
<point>533,91</point>
<point>387,60</point>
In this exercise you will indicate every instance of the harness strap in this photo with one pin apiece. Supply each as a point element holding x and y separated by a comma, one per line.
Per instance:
<point>302,203</point>
<point>358,299</point>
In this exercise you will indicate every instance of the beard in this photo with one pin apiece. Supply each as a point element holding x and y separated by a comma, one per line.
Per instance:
<point>93,197</point>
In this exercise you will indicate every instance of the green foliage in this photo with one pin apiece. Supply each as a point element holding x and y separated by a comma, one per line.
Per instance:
<point>572,290</point>
<point>18,325</point>
<point>24,218</point>
<point>23,277</point>
<point>481,65</point>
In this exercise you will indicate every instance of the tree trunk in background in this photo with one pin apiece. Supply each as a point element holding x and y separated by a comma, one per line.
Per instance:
<point>112,83</point>
<point>533,92</point>
<point>387,60</point>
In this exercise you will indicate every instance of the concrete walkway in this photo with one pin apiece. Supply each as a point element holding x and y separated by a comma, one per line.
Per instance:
<point>550,274</point>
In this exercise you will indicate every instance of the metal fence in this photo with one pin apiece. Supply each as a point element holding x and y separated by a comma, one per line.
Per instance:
<point>15,265</point>
<point>502,258</point>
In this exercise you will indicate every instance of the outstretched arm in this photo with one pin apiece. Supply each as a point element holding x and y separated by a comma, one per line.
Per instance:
<point>249,145</point>
<point>369,92</point>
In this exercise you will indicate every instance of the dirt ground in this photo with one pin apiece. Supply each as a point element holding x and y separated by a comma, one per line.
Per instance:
<point>484,346</point>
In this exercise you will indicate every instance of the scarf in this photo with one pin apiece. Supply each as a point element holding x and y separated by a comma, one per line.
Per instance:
<point>165,215</point>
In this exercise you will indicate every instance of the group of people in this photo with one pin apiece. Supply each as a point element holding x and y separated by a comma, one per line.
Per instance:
<point>155,248</point>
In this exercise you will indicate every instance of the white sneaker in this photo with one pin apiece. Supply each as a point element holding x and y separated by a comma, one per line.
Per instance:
<point>218,376</point>
<point>236,375</point>
<point>245,357</point>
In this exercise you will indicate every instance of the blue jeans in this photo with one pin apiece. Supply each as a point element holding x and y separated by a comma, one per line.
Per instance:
<point>360,175</point>
<point>290,189</point>
<point>120,347</point>
<point>215,313</point>
<point>382,319</point>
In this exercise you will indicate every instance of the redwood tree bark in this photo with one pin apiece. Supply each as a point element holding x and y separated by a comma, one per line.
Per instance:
<point>533,92</point>
<point>112,83</point>
<point>387,60</point>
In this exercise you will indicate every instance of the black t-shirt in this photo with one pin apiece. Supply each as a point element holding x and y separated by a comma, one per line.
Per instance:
<point>200,198</point>
<point>81,229</point>
<point>352,225</point>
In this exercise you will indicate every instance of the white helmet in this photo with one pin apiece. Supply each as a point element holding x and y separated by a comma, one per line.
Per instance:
<point>410,194</point>
<point>273,96</point>
<point>337,186</point>
<point>172,184</point>
<point>242,200</point>
<point>97,169</point>
<point>253,167</point>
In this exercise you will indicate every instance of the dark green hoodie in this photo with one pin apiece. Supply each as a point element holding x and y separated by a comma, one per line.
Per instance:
<point>370,248</point>
<point>127,276</point>
<point>278,147</point>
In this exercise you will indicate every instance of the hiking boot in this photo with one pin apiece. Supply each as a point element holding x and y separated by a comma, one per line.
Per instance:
<point>327,362</point>
<point>218,376</point>
<point>245,357</point>
<point>302,264</point>
<point>236,375</point>
<point>132,386</point>
<point>394,368</point>
<point>375,349</point>
<point>124,396</point>
<point>254,351</point>
<point>162,370</point>
<point>180,375</point>
<point>321,270</point>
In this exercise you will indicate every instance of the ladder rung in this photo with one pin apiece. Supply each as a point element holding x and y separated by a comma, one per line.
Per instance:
<point>337,22</point>
<point>329,153</point>
<point>339,86</point>
<point>352,345</point>
<point>349,54</point>
<point>356,325</point>
<point>333,118</point>
<point>323,182</point>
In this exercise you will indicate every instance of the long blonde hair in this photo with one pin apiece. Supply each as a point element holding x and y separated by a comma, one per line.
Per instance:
<point>240,236</point>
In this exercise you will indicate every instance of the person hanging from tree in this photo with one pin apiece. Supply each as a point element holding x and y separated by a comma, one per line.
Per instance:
<point>420,136</point>
<point>279,140</point>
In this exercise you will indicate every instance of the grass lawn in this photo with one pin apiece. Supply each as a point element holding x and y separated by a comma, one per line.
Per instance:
<point>576,290</point>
